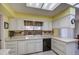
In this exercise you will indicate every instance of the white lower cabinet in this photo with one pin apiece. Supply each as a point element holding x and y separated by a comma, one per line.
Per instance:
<point>58,47</point>
<point>64,47</point>
<point>34,46</point>
<point>13,46</point>
<point>39,45</point>
<point>24,46</point>
<point>29,46</point>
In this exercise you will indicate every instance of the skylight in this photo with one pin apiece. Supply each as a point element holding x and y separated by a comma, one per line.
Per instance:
<point>45,6</point>
<point>35,5</point>
<point>50,6</point>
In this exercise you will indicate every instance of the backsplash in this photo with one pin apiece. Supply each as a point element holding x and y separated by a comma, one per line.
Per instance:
<point>29,32</point>
<point>16,33</point>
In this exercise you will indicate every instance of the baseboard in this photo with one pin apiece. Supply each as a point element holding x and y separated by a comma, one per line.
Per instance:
<point>32,53</point>
<point>40,52</point>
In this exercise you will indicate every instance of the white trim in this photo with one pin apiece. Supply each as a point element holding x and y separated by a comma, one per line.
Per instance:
<point>2,32</point>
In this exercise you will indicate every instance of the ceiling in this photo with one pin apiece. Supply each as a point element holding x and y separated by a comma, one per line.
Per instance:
<point>21,7</point>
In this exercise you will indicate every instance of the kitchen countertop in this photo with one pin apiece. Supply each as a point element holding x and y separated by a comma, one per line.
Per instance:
<point>30,37</point>
<point>66,40</point>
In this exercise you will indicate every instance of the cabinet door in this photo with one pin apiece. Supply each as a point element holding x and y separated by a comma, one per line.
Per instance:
<point>20,24</point>
<point>12,24</point>
<point>13,46</point>
<point>38,46</point>
<point>47,25</point>
<point>22,47</point>
<point>31,46</point>
<point>34,46</point>
<point>16,24</point>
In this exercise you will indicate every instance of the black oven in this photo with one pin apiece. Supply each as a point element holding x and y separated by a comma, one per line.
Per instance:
<point>46,44</point>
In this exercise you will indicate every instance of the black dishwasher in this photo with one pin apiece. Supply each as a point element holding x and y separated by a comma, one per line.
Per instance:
<point>46,44</point>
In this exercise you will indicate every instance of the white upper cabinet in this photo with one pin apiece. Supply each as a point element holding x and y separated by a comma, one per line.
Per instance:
<point>37,27</point>
<point>64,22</point>
<point>12,24</point>
<point>47,25</point>
<point>16,24</point>
<point>20,24</point>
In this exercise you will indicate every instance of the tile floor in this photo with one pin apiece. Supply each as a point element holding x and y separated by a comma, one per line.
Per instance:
<point>45,53</point>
